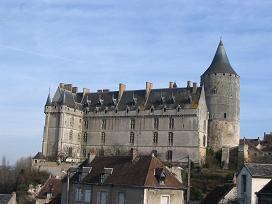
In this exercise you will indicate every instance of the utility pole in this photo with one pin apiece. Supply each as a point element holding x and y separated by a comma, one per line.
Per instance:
<point>189,180</point>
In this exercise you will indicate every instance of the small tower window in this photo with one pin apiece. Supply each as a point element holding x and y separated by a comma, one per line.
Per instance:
<point>225,115</point>
<point>204,140</point>
<point>71,135</point>
<point>104,124</point>
<point>70,152</point>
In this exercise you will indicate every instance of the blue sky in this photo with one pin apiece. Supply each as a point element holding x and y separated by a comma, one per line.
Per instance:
<point>99,43</point>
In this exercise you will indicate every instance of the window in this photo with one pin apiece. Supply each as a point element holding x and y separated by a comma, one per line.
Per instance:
<point>171,123</point>
<point>78,137</point>
<point>169,155</point>
<point>86,124</point>
<point>170,138</point>
<point>131,138</point>
<point>103,135</point>
<point>214,90</point>
<point>70,152</point>
<point>88,196</point>
<point>71,135</point>
<point>103,198</point>
<point>155,138</point>
<point>84,152</point>
<point>225,115</point>
<point>71,121</point>
<point>104,124</point>
<point>204,140</point>
<point>244,177</point>
<point>85,137</point>
<point>156,123</point>
<point>165,199</point>
<point>132,124</point>
<point>204,125</point>
<point>78,194</point>
<point>121,198</point>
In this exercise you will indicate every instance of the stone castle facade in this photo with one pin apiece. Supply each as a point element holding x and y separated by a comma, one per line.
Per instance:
<point>171,123</point>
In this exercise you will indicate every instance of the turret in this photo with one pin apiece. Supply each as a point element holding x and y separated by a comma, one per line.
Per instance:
<point>222,91</point>
<point>48,100</point>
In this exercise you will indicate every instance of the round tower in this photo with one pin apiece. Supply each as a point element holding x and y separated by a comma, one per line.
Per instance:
<point>222,91</point>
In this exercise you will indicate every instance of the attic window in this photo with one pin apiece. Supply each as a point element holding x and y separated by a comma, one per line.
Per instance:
<point>160,175</point>
<point>164,109</point>
<point>116,110</point>
<point>151,110</point>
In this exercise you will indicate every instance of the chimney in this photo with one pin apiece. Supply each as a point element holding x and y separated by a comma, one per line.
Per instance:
<point>171,85</point>
<point>85,91</point>
<point>122,88</point>
<point>74,89</point>
<point>194,87</point>
<point>134,154</point>
<point>148,87</point>
<point>68,87</point>
<point>61,85</point>
<point>189,84</point>
<point>91,156</point>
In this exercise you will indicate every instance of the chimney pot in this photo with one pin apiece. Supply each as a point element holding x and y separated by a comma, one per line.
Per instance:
<point>148,87</point>
<point>122,88</point>
<point>171,85</point>
<point>194,87</point>
<point>189,84</point>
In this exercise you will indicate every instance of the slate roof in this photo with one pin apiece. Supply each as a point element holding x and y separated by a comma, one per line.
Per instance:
<point>52,185</point>
<point>5,198</point>
<point>267,189</point>
<point>39,155</point>
<point>259,170</point>
<point>217,194</point>
<point>169,98</point>
<point>139,172</point>
<point>220,62</point>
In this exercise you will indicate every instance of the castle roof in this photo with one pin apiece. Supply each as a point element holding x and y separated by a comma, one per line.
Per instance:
<point>220,62</point>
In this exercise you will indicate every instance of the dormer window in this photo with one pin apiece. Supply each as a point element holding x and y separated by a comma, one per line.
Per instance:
<point>160,175</point>
<point>105,174</point>
<point>151,109</point>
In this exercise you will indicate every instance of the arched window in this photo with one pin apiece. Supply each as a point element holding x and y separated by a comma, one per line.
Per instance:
<point>103,137</point>
<point>155,138</point>
<point>170,138</point>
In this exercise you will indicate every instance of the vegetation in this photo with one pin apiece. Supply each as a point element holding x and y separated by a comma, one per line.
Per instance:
<point>18,178</point>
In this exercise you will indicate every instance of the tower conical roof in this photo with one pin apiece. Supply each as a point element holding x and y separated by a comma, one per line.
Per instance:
<point>220,62</point>
<point>48,101</point>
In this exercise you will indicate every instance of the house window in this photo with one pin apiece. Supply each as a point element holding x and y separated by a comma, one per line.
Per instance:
<point>244,183</point>
<point>87,196</point>
<point>132,124</point>
<point>104,124</point>
<point>103,135</point>
<point>78,194</point>
<point>169,155</point>
<point>121,198</point>
<point>155,138</point>
<point>131,138</point>
<point>103,198</point>
<point>171,123</point>
<point>156,123</point>
<point>165,199</point>
<point>71,135</point>
<point>170,138</point>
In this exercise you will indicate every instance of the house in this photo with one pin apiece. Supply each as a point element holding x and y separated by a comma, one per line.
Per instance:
<point>124,180</point>
<point>49,191</point>
<point>265,194</point>
<point>250,179</point>
<point>8,198</point>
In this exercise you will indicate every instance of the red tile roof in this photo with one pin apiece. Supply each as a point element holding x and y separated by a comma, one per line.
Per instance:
<point>52,185</point>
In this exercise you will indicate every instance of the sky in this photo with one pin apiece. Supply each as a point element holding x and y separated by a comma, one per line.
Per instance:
<point>99,43</point>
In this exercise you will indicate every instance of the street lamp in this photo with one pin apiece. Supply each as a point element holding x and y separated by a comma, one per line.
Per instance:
<point>68,173</point>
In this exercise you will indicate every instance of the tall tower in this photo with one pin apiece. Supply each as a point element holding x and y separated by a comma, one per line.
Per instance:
<point>222,91</point>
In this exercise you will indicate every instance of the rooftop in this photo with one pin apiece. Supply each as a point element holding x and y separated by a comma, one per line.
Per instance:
<point>259,170</point>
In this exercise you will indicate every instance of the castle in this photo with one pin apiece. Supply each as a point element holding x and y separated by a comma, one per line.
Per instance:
<point>171,123</point>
